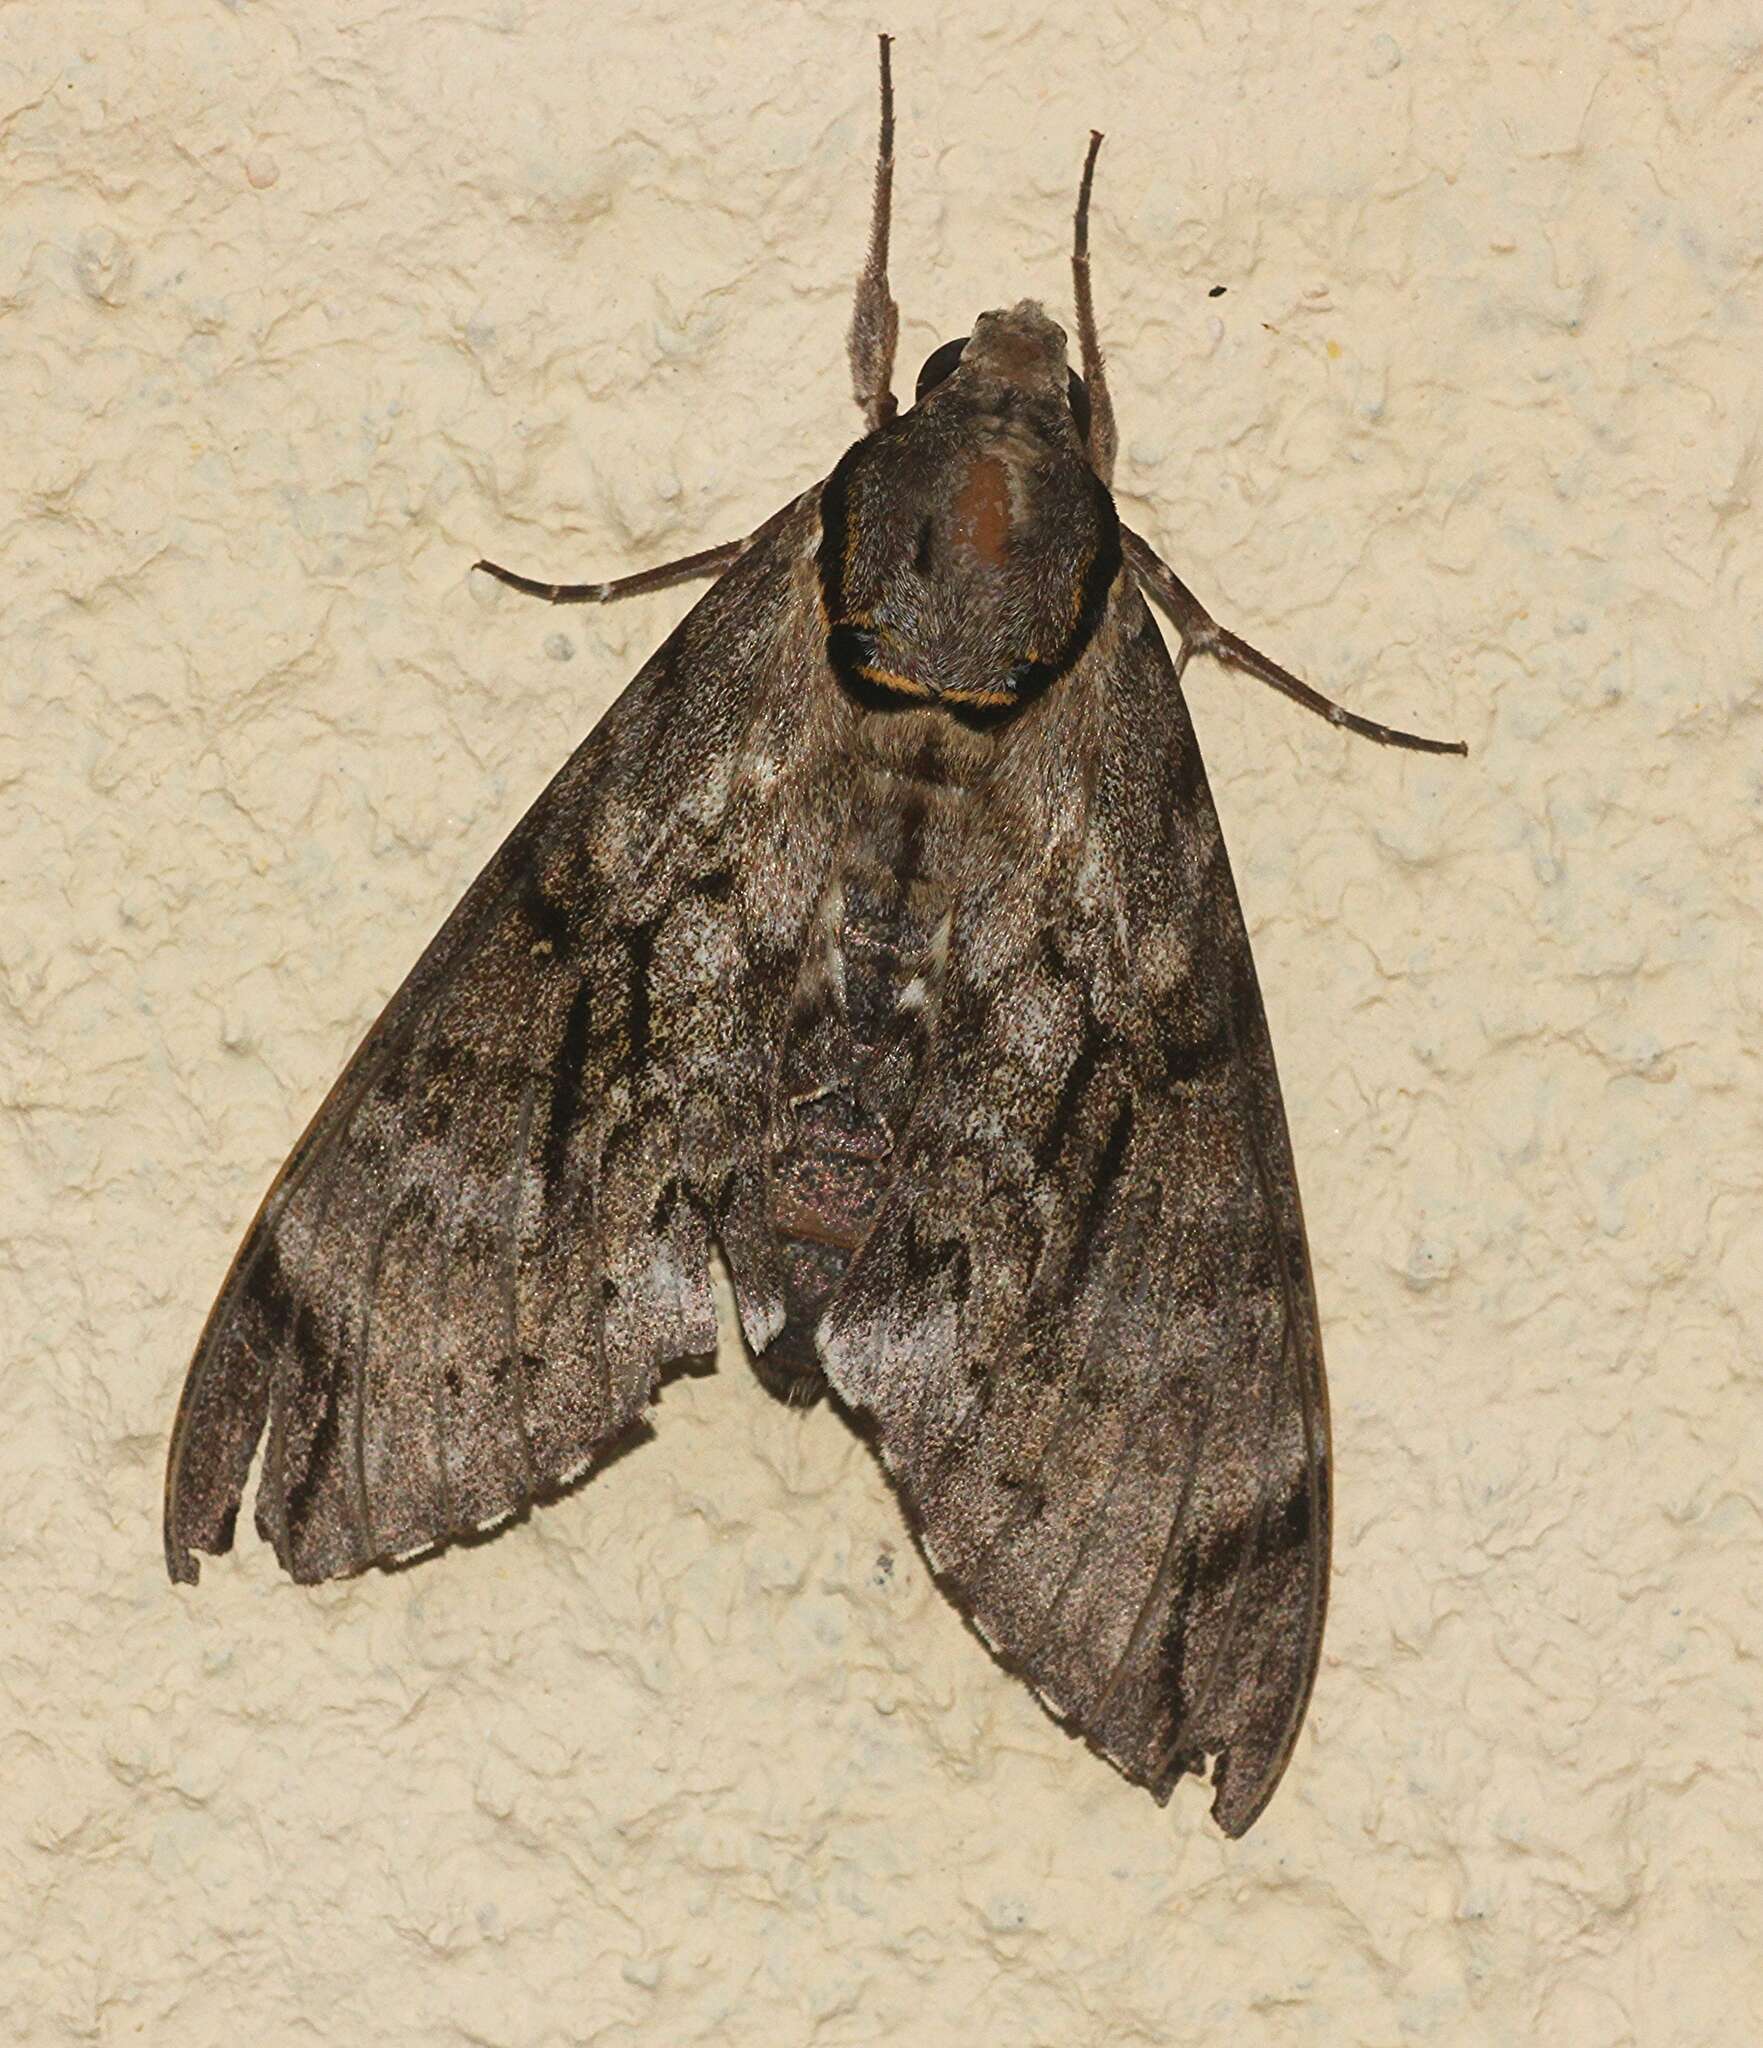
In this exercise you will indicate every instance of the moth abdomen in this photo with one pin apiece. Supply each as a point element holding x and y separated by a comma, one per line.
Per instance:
<point>861,1020</point>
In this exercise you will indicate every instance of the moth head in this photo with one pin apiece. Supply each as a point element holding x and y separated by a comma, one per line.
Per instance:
<point>1020,350</point>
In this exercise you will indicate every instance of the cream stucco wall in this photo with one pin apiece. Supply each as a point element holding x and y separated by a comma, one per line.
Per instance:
<point>301,308</point>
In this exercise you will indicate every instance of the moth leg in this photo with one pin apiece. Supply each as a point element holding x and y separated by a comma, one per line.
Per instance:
<point>1103,438</point>
<point>706,562</point>
<point>1202,634</point>
<point>875,319</point>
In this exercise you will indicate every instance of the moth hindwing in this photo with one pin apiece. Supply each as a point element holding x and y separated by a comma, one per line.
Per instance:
<point>882,935</point>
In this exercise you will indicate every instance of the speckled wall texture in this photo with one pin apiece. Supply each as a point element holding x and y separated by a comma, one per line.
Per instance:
<point>302,307</point>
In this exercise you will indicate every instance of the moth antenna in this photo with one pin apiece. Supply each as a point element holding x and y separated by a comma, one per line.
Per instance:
<point>706,562</point>
<point>875,319</point>
<point>1103,439</point>
<point>1202,634</point>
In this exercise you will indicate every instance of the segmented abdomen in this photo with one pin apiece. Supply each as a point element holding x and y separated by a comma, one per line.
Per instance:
<point>865,1005</point>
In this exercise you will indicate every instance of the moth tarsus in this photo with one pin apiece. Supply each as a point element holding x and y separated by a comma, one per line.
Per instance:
<point>882,935</point>
<point>706,562</point>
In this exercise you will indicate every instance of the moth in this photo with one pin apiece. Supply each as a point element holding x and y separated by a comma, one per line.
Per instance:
<point>882,936</point>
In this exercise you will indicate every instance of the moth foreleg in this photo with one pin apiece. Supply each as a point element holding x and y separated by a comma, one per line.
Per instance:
<point>875,319</point>
<point>1202,634</point>
<point>706,562</point>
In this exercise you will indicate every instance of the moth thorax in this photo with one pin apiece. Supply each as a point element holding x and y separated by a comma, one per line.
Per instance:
<point>964,561</point>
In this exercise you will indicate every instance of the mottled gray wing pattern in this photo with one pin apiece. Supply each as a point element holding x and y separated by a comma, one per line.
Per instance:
<point>1082,1326</point>
<point>495,1232</point>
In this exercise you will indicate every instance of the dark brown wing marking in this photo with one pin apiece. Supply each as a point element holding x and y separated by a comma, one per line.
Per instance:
<point>1083,1324</point>
<point>495,1232</point>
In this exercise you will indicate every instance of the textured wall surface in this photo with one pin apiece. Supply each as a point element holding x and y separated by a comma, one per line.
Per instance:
<point>304,306</point>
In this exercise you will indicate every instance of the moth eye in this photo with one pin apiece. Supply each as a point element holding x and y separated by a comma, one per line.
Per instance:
<point>939,364</point>
<point>1077,396</point>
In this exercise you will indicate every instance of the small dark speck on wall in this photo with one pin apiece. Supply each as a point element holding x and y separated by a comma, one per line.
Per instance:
<point>1218,291</point>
